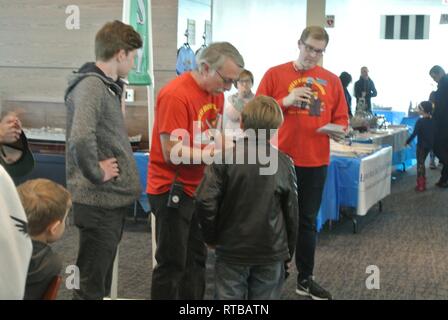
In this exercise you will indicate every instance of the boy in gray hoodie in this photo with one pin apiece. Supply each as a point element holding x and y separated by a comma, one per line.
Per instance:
<point>101,171</point>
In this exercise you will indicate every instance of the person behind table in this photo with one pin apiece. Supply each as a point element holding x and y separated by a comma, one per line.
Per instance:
<point>46,205</point>
<point>346,78</point>
<point>365,89</point>
<point>235,103</point>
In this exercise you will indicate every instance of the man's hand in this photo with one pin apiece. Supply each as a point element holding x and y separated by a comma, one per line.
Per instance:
<point>287,268</point>
<point>337,137</point>
<point>10,129</point>
<point>110,169</point>
<point>297,96</point>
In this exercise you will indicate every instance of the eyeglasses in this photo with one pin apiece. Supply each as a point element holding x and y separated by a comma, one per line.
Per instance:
<point>311,49</point>
<point>226,81</point>
<point>244,81</point>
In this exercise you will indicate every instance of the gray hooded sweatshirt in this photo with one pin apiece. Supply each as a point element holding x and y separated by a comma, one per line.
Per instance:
<point>96,131</point>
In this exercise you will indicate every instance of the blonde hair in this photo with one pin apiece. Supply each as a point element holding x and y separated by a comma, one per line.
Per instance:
<point>262,113</point>
<point>315,32</point>
<point>44,202</point>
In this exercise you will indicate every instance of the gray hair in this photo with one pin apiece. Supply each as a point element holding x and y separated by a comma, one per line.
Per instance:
<point>216,54</point>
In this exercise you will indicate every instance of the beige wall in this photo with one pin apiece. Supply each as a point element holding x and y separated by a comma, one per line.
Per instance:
<point>37,53</point>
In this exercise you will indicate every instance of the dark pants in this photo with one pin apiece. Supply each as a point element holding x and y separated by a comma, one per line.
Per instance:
<point>310,185</point>
<point>441,151</point>
<point>422,153</point>
<point>181,252</point>
<point>100,232</point>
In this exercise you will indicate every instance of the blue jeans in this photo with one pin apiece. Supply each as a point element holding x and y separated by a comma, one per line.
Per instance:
<point>238,282</point>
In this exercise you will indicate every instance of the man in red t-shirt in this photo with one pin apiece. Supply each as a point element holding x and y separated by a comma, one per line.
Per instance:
<point>187,110</point>
<point>310,98</point>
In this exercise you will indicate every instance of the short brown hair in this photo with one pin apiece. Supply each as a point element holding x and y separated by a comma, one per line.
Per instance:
<point>262,113</point>
<point>315,32</point>
<point>113,37</point>
<point>44,202</point>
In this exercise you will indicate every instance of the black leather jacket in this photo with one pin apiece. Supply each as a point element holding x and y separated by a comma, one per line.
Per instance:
<point>251,218</point>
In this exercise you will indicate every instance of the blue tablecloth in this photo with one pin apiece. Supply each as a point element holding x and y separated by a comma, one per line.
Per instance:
<point>410,153</point>
<point>396,139</point>
<point>142,158</point>
<point>394,117</point>
<point>341,188</point>
<point>355,182</point>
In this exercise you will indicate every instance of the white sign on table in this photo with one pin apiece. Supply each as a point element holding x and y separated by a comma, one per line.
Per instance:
<point>374,179</point>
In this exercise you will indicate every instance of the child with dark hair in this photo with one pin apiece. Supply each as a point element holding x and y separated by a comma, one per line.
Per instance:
<point>424,130</point>
<point>46,205</point>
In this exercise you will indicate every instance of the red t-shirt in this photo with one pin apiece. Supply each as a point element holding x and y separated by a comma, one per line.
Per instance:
<point>297,137</point>
<point>179,105</point>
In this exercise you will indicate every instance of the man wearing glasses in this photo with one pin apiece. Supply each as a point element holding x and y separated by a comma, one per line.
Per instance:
<point>310,98</point>
<point>186,109</point>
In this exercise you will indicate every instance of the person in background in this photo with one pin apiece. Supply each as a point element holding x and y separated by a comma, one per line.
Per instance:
<point>310,97</point>
<point>365,88</point>
<point>432,156</point>
<point>424,130</point>
<point>346,79</point>
<point>46,205</point>
<point>187,112</point>
<point>440,118</point>
<point>235,103</point>
<point>250,218</point>
<point>101,172</point>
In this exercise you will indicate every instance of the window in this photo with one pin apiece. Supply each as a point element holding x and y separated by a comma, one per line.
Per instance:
<point>405,27</point>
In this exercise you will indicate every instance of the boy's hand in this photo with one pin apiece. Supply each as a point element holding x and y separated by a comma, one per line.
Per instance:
<point>110,169</point>
<point>287,266</point>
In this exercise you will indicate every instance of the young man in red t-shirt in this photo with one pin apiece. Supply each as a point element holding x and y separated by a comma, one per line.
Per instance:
<point>187,110</point>
<point>310,98</point>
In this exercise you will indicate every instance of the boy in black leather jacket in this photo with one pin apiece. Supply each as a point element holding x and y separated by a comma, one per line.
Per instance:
<point>248,209</point>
